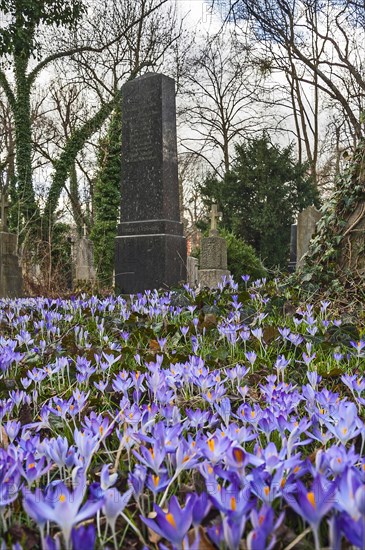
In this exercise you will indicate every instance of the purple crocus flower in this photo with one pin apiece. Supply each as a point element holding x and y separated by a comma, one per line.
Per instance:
<point>107,479</point>
<point>12,429</point>
<point>62,506</point>
<point>263,526</point>
<point>34,469</point>
<point>137,480</point>
<point>174,524</point>
<point>314,504</point>
<point>354,530</point>
<point>251,357</point>
<point>201,508</point>
<point>151,457</point>
<point>233,529</point>
<point>158,483</point>
<point>114,504</point>
<point>215,447</point>
<point>215,533</point>
<point>347,422</point>
<point>359,346</point>
<point>84,537</point>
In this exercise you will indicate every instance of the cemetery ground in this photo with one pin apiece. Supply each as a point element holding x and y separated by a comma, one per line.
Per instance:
<point>220,419</point>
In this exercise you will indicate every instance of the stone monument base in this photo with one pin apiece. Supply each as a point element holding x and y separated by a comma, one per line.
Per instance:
<point>212,277</point>
<point>11,279</point>
<point>147,262</point>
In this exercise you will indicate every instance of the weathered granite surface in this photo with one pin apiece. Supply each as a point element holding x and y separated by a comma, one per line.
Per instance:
<point>150,247</point>
<point>213,253</point>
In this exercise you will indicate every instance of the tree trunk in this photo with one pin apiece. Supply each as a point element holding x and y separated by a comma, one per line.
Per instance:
<point>28,209</point>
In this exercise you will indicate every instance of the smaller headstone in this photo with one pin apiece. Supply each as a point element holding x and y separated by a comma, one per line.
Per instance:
<point>192,271</point>
<point>213,257</point>
<point>84,259</point>
<point>293,248</point>
<point>11,280</point>
<point>306,228</point>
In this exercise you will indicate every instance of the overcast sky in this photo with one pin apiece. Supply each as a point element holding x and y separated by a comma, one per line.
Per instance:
<point>200,13</point>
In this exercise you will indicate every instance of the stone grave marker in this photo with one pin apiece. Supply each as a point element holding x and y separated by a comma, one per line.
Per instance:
<point>150,246</point>
<point>293,248</point>
<point>213,256</point>
<point>192,271</point>
<point>306,227</point>
<point>11,280</point>
<point>84,259</point>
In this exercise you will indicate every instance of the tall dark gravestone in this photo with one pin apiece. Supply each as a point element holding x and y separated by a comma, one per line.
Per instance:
<point>150,247</point>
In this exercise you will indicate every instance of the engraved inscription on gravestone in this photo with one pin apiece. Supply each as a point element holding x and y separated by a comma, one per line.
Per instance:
<point>141,138</point>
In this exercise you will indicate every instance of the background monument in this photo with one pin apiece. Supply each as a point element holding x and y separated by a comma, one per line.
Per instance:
<point>213,257</point>
<point>11,280</point>
<point>84,259</point>
<point>150,247</point>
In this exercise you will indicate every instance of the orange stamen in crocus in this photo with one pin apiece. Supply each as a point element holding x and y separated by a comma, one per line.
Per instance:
<point>156,480</point>
<point>170,518</point>
<point>211,445</point>
<point>238,455</point>
<point>311,498</point>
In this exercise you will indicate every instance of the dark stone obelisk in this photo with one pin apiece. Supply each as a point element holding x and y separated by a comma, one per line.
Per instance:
<point>150,247</point>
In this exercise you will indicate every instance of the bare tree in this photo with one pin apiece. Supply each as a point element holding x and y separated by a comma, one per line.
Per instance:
<point>220,97</point>
<point>319,46</point>
<point>144,46</point>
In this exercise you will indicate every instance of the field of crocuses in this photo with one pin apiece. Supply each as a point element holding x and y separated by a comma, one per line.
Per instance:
<point>209,420</point>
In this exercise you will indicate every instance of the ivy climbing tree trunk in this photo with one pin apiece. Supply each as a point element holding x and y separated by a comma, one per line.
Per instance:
<point>75,199</point>
<point>27,206</point>
<point>66,160</point>
<point>336,256</point>
<point>107,199</point>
